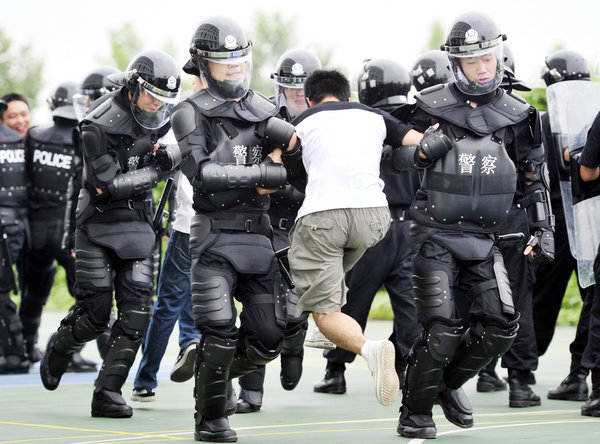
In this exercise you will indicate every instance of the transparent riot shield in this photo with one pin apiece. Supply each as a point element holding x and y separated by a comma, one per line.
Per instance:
<point>572,107</point>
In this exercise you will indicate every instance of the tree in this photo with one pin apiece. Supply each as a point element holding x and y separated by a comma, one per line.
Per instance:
<point>124,43</point>
<point>438,36</point>
<point>20,71</point>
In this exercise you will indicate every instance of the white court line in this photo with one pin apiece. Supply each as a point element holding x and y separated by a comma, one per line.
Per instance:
<point>476,429</point>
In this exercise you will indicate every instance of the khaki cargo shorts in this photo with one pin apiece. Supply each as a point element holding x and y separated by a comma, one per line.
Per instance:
<point>327,244</point>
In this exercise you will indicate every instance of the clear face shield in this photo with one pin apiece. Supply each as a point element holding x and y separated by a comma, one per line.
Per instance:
<point>227,75</point>
<point>83,100</point>
<point>289,93</point>
<point>478,68</point>
<point>151,106</point>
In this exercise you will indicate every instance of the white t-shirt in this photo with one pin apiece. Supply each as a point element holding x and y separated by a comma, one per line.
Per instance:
<point>184,199</point>
<point>341,151</point>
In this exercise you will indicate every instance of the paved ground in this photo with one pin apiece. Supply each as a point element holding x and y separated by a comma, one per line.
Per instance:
<point>29,413</point>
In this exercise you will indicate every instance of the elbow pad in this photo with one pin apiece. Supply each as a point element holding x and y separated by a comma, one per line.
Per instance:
<point>276,132</point>
<point>133,183</point>
<point>214,177</point>
<point>536,201</point>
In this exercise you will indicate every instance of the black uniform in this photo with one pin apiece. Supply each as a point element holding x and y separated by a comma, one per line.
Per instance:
<point>52,162</point>
<point>114,242</point>
<point>455,255</point>
<point>230,241</point>
<point>13,226</point>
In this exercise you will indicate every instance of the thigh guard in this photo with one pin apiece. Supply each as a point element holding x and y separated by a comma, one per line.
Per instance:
<point>92,262</point>
<point>212,299</point>
<point>431,289</point>
<point>139,273</point>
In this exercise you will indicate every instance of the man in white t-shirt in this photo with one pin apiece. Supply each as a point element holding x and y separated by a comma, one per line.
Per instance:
<point>344,212</point>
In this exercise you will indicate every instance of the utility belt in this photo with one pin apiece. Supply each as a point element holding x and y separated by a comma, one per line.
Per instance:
<point>283,220</point>
<point>248,223</point>
<point>131,204</point>
<point>399,213</point>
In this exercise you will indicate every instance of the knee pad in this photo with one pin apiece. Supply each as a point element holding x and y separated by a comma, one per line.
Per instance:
<point>134,318</point>
<point>433,349</point>
<point>259,322</point>
<point>431,289</point>
<point>212,301</point>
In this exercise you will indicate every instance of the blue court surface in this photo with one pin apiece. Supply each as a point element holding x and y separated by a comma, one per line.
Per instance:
<point>31,414</point>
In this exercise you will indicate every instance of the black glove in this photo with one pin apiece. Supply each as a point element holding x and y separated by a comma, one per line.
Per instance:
<point>163,160</point>
<point>435,144</point>
<point>101,198</point>
<point>542,242</point>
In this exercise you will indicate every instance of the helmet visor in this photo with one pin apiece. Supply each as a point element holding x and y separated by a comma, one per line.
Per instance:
<point>151,109</point>
<point>81,104</point>
<point>478,71</point>
<point>227,78</point>
<point>292,98</point>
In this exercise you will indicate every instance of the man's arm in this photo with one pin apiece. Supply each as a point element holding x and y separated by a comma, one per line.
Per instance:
<point>589,174</point>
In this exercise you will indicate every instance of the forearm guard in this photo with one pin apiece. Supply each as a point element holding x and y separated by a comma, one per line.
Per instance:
<point>133,182</point>
<point>396,159</point>
<point>277,132</point>
<point>536,201</point>
<point>214,177</point>
<point>294,166</point>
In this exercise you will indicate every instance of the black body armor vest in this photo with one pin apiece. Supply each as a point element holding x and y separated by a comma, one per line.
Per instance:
<point>13,189</point>
<point>54,159</point>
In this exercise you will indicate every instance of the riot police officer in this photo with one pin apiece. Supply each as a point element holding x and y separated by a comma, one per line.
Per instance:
<point>224,133</point>
<point>13,229</point>
<point>384,84</point>
<point>52,161</point>
<point>292,69</point>
<point>114,238</point>
<point>497,143</point>
<point>431,68</point>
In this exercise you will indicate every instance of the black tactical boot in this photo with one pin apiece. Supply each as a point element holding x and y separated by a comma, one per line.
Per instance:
<point>413,425</point>
<point>333,382</point>
<point>79,364</point>
<point>109,404</point>
<point>520,394</point>
<point>489,382</point>
<point>572,388</point>
<point>456,406</point>
<point>592,405</point>
<point>292,355</point>
<point>53,364</point>
<point>213,430</point>
<point>249,401</point>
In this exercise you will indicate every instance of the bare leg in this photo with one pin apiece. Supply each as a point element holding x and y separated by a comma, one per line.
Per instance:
<point>341,329</point>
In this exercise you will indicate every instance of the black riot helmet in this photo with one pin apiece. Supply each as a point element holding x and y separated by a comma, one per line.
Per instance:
<point>565,65</point>
<point>431,68</point>
<point>382,82</point>
<point>94,85</point>
<point>222,56</point>
<point>509,81</point>
<point>291,71</point>
<point>153,80</point>
<point>61,100</point>
<point>474,47</point>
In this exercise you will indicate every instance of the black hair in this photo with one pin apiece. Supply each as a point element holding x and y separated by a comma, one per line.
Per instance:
<point>10,97</point>
<point>322,83</point>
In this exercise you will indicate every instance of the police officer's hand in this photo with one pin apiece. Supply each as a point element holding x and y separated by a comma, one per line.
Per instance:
<point>434,145</point>
<point>102,194</point>
<point>163,160</point>
<point>541,246</point>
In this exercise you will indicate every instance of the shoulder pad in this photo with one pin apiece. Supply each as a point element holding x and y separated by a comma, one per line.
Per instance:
<point>111,116</point>
<point>436,96</point>
<point>9,135</point>
<point>203,100</point>
<point>260,106</point>
<point>183,119</point>
<point>511,104</point>
<point>37,131</point>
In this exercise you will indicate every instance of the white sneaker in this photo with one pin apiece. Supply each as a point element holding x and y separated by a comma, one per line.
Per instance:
<point>316,339</point>
<point>143,395</point>
<point>184,366</point>
<point>381,362</point>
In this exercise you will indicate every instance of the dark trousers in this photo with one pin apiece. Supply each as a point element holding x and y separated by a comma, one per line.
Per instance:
<point>591,356</point>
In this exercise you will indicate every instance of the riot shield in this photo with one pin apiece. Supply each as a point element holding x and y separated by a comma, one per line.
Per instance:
<point>572,107</point>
